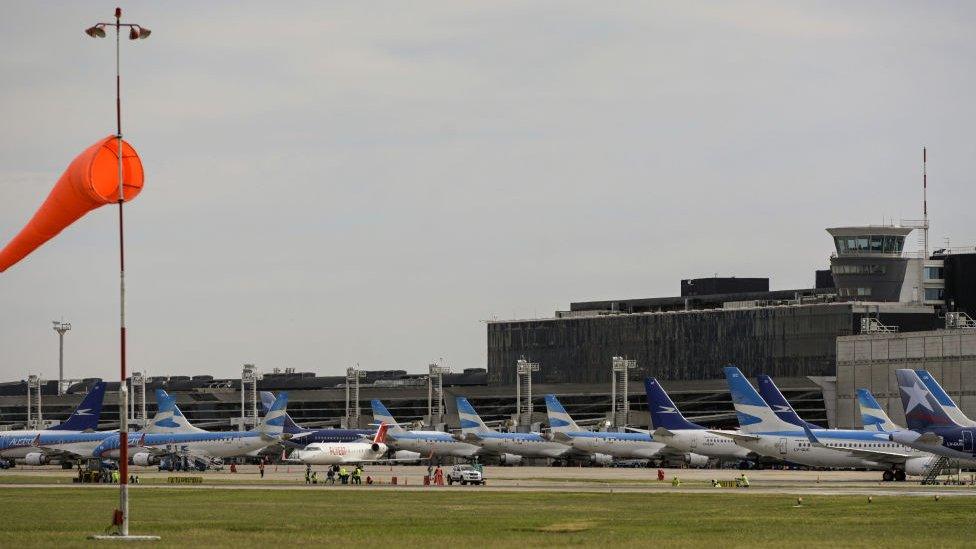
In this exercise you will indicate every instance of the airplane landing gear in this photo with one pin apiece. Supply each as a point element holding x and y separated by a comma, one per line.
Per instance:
<point>900,475</point>
<point>888,476</point>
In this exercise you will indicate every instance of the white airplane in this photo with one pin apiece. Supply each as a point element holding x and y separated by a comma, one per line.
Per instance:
<point>428,443</point>
<point>333,453</point>
<point>671,428</point>
<point>598,446</point>
<point>533,445</point>
<point>765,433</point>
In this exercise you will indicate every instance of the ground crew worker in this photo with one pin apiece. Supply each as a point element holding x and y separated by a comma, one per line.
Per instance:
<point>308,475</point>
<point>716,484</point>
<point>439,476</point>
<point>744,481</point>
<point>315,478</point>
<point>330,476</point>
<point>675,482</point>
<point>343,475</point>
<point>261,469</point>
<point>357,475</point>
<point>116,476</point>
<point>660,474</point>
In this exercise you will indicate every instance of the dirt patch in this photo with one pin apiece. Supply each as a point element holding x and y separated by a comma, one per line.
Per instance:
<point>566,527</point>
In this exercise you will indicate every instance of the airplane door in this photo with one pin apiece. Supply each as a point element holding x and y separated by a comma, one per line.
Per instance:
<point>783,446</point>
<point>967,441</point>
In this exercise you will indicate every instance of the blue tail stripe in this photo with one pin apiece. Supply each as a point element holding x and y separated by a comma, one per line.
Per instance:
<point>937,391</point>
<point>781,407</point>
<point>553,403</point>
<point>86,415</point>
<point>664,414</point>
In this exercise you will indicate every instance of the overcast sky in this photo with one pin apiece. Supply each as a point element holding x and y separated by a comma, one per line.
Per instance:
<point>333,183</point>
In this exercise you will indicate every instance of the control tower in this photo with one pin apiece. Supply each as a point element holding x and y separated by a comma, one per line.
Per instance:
<point>869,264</point>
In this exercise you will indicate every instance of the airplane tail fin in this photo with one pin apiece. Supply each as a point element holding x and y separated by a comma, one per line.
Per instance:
<point>559,419</point>
<point>290,427</point>
<point>944,399</point>
<point>784,410</point>
<point>274,421</point>
<point>664,414</point>
<point>755,415</point>
<point>470,420</point>
<point>380,436</point>
<point>922,410</point>
<point>873,416</point>
<point>382,415</point>
<point>169,418</point>
<point>86,415</point>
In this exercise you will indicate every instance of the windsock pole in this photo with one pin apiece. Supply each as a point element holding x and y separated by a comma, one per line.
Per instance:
<point>123,393</point>
<point>135,32</point>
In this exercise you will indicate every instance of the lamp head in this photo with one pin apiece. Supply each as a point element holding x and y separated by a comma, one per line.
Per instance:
<point>95,32</point>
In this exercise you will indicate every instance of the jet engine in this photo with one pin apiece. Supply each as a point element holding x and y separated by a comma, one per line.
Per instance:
<point>406,455</point>
<point>144,459</point>
<point>36,458</point>
<point>696,460</point>
<point>601,459</point>
<point>918,466</point>
<point>509,459</point>
<point>379,447</point>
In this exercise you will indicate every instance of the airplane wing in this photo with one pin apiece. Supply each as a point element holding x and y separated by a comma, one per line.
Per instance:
<point>562,437</point>
<point>636,430</point>
<point>866,453</point>
<point>738,437</point>
<point>662,432</point>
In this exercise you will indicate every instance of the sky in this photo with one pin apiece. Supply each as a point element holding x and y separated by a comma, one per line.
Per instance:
<point>333,183</point>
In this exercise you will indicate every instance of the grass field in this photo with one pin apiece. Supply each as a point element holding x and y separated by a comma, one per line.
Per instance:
<point>246,518</point>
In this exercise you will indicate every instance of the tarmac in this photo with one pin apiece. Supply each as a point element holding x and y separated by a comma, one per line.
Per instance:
<point>536,479</point>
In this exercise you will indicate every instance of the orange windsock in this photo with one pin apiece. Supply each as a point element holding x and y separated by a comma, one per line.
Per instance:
<point>91,180</point>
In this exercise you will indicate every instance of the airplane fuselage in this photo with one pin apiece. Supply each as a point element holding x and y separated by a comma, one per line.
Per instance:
<point>436,443</point>
<point>700,441</point>
<point>334,453</point>
<point>617,445</point>
<point>531,445</point>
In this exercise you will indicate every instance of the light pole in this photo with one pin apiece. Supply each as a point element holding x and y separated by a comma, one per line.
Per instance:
<point>136,32</point>
<point>61,327</point>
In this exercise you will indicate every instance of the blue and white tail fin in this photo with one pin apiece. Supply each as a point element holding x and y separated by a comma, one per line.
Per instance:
<point>559,419</point>
<point>784,410</point>
<point>292,428</point>
<point>664,414</point>
<point>755,415</point>
<point>273,423</point>
<point>86,415</point>
<point>169,418</point>
<point>470,420</point>
<point>944,399</point>
<point>382,415</point>
<point>873,416</point>
<point>922,410</point>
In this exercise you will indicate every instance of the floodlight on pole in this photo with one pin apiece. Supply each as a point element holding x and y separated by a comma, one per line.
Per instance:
<point>121,518</point>
<point>61,327</point>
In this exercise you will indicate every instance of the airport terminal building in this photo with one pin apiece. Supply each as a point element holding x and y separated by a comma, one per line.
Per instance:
<point>819,343</point>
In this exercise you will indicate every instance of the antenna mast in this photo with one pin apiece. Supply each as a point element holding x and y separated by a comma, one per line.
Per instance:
<point>925,204</point>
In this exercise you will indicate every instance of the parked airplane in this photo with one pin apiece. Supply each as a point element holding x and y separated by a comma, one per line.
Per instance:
<point>427,443</point>
<point>597,446</point>
<point>207,447</point>
<point>671,428</point>
<point>774,397</point>
<point>932,429</point>
<point>333,453</point>
<point>765,433</point>
<point>301,437</point>
<point>945,400</point>
<point>24,443</point>
<point>532,445</point>
<point>873,416</point>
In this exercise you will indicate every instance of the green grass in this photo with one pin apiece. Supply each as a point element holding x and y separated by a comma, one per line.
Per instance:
<point>249,518</point>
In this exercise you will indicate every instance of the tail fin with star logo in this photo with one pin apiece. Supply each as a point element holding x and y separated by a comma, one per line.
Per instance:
<point>664,414</point>
<point>922,410</point>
